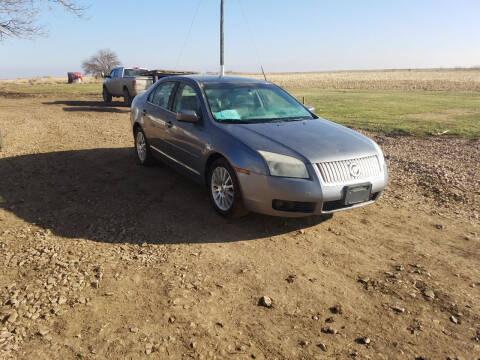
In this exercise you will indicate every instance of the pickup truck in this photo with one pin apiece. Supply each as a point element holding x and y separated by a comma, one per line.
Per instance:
<point>126,83</point>
<point>130,82</point>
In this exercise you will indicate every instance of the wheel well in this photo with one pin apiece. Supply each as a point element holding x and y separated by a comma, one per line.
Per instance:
<point>135,127</point>
<point>210,160</point>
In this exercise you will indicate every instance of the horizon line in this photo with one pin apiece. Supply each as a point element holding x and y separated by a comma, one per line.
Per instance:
<point>457,68</point>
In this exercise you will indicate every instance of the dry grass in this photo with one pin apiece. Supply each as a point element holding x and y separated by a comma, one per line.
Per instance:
<point>447,80</point>
<point>437,79</point>
<point>415,102</point>
<point>47,80</point>
<point>50,85</point>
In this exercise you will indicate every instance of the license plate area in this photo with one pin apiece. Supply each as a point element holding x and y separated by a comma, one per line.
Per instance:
<point>356,194</point>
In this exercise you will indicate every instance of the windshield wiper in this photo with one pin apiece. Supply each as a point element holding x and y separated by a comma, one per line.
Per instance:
<point>298,118</point>
<point>256,121</point>
<point>290,119</point>
<point>232,121</point>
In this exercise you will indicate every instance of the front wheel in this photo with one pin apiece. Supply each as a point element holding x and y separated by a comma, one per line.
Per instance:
<point>224,190</point>
<point>107,97</point>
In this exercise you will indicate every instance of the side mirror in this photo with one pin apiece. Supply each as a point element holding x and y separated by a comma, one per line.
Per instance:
<point>310,108</point>
<point>187,116</point>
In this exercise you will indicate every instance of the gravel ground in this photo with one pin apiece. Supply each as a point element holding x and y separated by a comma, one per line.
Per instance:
<point>103,259</point>
<point>440,171</point>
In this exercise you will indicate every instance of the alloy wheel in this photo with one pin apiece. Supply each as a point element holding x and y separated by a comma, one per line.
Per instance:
<point>222,188</point>
<point>141,145</point>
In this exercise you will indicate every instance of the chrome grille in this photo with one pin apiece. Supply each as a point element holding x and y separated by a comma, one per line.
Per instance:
<point>344,170</point>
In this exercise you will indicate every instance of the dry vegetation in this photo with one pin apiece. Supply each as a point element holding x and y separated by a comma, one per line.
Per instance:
<point>435,79</point>
<point>458,80</point>
<point>46,80</point>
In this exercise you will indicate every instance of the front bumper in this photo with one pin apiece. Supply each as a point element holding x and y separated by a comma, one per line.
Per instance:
<point>260,191</point>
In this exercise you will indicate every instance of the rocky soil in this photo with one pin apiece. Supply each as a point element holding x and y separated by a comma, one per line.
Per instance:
<point>103,259</point>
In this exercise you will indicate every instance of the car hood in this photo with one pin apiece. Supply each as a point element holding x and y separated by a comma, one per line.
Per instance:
<point>315,140</point>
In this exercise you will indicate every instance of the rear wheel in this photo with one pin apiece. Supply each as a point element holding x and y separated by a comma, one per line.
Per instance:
<point>107,97</point>
<point>142,149</point>
<point>224,190</point>
<point>127,99</point>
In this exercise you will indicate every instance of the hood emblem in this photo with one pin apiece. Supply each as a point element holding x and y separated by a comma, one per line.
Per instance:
<point>354,169</point>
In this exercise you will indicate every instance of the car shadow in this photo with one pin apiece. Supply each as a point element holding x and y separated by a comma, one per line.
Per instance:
<point>103,195</point>
<point>90,105</point>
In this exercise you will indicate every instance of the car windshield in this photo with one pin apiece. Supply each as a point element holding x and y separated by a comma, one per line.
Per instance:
<point>248,103</point>
<point>133,72</point>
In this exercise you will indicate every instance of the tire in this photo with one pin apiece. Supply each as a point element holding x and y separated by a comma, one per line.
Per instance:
<point>144,157</point>
<point>107,97</point>
<point>127,99</point>
<point>226,203</point>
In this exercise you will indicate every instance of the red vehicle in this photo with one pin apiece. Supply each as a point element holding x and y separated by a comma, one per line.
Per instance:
<point>75,77</point>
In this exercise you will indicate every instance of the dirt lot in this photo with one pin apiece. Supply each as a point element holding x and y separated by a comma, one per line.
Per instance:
<point>101,258</point>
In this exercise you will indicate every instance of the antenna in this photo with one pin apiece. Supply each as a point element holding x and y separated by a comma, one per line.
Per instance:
<point>222,66</point>
<point>263,72</point>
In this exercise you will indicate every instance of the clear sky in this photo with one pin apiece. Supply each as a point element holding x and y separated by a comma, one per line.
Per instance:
<point>293,35</point>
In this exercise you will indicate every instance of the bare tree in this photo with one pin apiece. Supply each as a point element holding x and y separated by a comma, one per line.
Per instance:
<point>19,18</point>
<point>102,62</point>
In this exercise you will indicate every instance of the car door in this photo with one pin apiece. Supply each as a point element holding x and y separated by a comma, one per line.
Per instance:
<point>109,81</point>
<point>116,83</point>
<point>184,140</point>
<point>157,117</point>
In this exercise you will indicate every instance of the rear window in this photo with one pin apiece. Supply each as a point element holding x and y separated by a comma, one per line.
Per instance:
<point>133,72</point>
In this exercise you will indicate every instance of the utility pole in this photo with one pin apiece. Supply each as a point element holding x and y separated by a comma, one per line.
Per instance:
<point>222,66</point>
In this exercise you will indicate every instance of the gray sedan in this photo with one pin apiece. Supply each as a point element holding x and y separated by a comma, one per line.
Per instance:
<point>255,147</point>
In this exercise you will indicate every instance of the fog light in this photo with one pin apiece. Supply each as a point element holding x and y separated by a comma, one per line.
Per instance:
<point>293,206</point>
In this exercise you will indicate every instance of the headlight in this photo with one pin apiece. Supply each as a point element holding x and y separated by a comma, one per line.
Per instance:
<point>286,166</point>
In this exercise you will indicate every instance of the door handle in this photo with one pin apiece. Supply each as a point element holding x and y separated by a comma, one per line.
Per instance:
<point>169,124</point>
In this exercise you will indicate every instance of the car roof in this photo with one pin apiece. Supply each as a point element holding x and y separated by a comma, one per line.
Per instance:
<point>215,79</point>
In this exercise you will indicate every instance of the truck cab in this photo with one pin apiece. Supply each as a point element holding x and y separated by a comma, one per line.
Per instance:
<point>127,83</point>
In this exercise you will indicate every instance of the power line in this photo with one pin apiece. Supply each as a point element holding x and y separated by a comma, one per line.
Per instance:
<point>188,34</point>
<point>252,38</point>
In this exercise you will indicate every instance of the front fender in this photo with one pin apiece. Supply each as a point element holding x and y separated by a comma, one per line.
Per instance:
<point>135,113</point>
<point>236,152</point>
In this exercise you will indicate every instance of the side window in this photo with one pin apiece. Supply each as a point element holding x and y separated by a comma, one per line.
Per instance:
<point>161,94</point>
<point>112,74</point>
<point>186,99</point>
